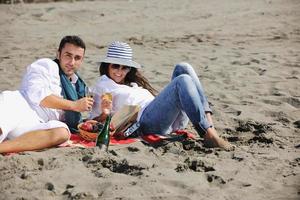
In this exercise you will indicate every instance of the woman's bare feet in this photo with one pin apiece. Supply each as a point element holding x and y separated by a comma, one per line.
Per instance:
<point>211,139</point>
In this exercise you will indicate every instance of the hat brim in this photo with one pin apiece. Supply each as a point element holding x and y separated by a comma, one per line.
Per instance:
<point>120,61</point>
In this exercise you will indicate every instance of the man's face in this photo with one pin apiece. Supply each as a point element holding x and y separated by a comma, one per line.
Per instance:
<point>70,58</point>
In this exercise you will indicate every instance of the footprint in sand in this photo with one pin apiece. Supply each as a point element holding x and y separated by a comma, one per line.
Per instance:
<point>236,62</point>
<point>133,149</point>
<point>136,41</point>
<point>297,124</point>
<point>40,162</point>
<point>280,116</point>
<point>230,110</point>
<point>272,102</point>
<point>196,165</point>
<point>293,101</point>
<point>49,186</point>
<point>260,71</point>
<point>234,112</point>
<point>215,180</point>
<point>113,165</point>
<point>276,92</point>
<point>253,60</point>
<point>261,139</point>
<point>123,167</point>
<point>253,126</point>
<point>24,175</point>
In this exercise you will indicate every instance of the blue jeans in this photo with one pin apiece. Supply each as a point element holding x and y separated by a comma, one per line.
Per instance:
<point>182,99</point>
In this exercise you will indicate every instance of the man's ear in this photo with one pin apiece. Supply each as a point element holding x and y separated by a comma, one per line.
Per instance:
<point>57,54</point>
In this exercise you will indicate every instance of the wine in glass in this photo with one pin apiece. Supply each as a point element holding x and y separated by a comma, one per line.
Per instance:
<point>88,92</point>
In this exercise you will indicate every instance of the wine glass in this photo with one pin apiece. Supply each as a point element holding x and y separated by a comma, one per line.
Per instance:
<point>88,92</point>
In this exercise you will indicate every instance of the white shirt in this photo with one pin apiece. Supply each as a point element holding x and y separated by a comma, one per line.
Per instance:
<point>41,80</point>
<point>122,95</point>
<point>73,80</point>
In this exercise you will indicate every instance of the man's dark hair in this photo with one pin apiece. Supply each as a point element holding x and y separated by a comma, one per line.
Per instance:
<point>72,39</point>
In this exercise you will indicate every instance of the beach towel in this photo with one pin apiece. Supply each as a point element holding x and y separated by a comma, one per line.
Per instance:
<point>150,139</point>
<point>78,141</point>
<point>158,140</point>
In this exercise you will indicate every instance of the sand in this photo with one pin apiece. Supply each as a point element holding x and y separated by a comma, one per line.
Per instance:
<point>246,54</point>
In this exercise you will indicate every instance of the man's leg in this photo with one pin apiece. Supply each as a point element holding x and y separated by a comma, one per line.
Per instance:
<point>35,140</point>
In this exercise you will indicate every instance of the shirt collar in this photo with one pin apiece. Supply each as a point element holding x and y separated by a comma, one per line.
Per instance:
<point>73,78</point>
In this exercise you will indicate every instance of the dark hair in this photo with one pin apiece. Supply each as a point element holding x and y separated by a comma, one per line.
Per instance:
<point>134,75</point>
<point>72,39</point>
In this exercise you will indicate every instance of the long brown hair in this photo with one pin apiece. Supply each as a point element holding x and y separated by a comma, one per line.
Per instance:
<point>134,75</point>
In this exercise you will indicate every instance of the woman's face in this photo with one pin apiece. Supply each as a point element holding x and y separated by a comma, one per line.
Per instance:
<point>118,72</point>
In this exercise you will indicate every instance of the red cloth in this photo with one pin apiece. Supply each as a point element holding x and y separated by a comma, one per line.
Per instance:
<point>155,138</point>
<point>76,140</point>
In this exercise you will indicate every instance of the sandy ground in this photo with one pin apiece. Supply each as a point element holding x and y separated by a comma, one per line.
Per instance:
<point>246,54</point>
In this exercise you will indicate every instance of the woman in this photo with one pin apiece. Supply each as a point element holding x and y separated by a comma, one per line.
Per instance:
<point>181,100</point>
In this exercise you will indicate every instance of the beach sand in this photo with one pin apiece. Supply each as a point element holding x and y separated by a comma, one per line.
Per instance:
<point>246,54</point>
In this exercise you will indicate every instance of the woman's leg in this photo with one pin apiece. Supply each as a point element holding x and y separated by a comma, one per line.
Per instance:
<point>179,95</point>
<point>182,119</point>
<point>211,137</point>
<point>185,68</point>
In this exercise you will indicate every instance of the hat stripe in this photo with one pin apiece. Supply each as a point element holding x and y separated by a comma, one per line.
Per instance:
<point>119,50</point>
<point>120,53</point>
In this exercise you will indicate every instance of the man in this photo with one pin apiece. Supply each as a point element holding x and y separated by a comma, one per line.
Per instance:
<point>48,102</point>
<point>53,92</point>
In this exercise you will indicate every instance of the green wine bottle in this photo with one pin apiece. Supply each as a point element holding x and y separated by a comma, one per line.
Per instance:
<point>103,137</point>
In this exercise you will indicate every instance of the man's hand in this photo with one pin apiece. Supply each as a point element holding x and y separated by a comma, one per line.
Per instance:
<point>83,104</point>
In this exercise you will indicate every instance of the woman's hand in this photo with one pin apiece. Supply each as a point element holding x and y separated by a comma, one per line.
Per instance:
<point>106,104</point>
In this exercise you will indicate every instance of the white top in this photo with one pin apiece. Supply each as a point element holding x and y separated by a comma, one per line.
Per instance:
<point>17,117</point>
<point>122,95</point>
<point>73,80</point>
<point>42,79</point>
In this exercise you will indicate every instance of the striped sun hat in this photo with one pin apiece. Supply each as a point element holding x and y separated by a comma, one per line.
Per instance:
<point>120,53</point>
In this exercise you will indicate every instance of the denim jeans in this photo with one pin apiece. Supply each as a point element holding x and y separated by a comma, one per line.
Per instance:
<point>183,99</point>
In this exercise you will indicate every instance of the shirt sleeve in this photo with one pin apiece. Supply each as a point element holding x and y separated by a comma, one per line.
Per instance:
<point>41,80</point>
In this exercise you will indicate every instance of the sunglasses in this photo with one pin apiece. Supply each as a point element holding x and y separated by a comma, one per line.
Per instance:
<point>123,68</point>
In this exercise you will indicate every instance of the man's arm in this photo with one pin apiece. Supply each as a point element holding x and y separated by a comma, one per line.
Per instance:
<point>55,102</point>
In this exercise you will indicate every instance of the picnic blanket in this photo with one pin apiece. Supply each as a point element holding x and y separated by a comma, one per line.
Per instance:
<point>151,139</point>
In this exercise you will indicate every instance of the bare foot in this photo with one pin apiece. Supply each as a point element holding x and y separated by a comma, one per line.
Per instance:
<point>211,140</point>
